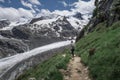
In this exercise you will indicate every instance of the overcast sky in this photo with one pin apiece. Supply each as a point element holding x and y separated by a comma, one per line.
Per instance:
<point>17,9</point>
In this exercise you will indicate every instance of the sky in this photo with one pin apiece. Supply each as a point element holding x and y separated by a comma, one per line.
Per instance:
<point>19,9</point>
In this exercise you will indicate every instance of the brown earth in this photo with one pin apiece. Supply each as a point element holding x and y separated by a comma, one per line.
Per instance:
<point>76,70</point>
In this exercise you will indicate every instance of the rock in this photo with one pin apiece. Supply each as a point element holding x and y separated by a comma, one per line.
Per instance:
<point>107,11</point>
<point>10,47</point>
<point>6,33</point>
<point>36,19</point>
<point>102,13</point>
<point>78,16</point>
<point>4,23</point>
<point>5,52</point>
<point>63,23</point>
<point>81,34</point>
<point>22,32</point>
<point>68,33</point>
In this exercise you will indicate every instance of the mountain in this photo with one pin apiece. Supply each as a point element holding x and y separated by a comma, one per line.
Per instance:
<point>18,37</point>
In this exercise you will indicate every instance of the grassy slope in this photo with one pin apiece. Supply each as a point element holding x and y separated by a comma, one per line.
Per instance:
<point>105,63</point>
<point>48,70</point>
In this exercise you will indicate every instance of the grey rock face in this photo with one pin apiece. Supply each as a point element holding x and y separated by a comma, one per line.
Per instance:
<point>106,10</point>
<point>64,24</point>
<point>78,16</point>
<point>21,32</point>
<point>81,34</point>
<point>4,23</point>
<point>10,47</point>
<point>36,19</point>
<point>6,33</point>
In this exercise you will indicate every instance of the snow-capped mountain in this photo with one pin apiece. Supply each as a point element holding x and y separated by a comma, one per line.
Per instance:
<point>36,32</point>
<point>77,21</point>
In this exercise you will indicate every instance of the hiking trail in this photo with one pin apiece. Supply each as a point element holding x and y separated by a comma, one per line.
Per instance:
<point>76,70</point>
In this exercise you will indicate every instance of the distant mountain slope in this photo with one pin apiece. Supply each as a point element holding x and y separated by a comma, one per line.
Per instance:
<point>35,33</point>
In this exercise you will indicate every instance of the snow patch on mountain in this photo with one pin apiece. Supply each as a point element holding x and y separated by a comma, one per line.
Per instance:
<point>45,22</point>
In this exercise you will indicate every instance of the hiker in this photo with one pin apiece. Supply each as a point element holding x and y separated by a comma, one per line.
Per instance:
<point>72,48</point>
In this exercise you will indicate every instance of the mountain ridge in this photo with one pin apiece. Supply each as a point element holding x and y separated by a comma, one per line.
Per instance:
<point>35,33</point>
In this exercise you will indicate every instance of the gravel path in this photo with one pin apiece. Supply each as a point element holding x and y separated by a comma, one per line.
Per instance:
<point>76,70</point>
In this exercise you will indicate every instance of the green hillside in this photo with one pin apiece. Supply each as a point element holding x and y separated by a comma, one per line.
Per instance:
<point>105,63</point>
<point>49,69</point>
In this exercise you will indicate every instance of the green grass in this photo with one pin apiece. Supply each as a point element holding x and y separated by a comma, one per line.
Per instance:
<point>49,69</point>
<point>105,63</point>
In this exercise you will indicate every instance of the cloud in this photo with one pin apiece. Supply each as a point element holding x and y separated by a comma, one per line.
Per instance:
<point>13,14</point>
<point>2,1</point>
<point>86,8</point>
<point>25,13</point>
<point>35,2</point>
<point>83,6</point>
<point>63,12</point>
<point>29,5</point>
<point>44,12</point>
<point>64,3</point>
<point>26,4</point>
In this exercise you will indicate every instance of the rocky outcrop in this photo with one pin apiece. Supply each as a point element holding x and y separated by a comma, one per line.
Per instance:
<point>81,34</point>
<point>36,19</point>
<point>4,23</point>
<point>22,32</point>
<point>63,27</point>
<point>78,16</point>
<point>6,33</point>
<point>107,11</point>
<point>9,47</point>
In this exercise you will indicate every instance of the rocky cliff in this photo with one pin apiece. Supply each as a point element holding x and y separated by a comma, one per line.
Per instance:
<point>107,11</point>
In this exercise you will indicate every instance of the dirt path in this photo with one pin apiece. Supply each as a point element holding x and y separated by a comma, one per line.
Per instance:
<point>76,70</point>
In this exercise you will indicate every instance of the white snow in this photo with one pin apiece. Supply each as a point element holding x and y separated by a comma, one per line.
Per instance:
<point>43,22</point>
<point>76,23</point>
<point>7,62</point>
<point>12,25</point>
<point>73,21</point>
